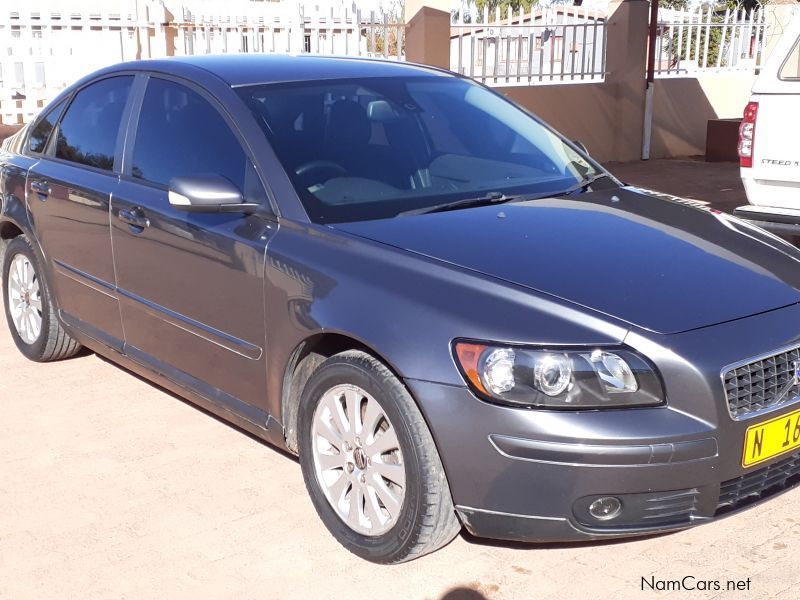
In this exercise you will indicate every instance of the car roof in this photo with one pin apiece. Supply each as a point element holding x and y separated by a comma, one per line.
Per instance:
<point>250,69</point>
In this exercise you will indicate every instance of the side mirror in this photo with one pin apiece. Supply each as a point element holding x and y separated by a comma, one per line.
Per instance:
<point>207,193</point>
<point>581,146</point>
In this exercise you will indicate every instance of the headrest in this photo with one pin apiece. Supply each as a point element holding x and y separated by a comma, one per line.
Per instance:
<point>348,123</point>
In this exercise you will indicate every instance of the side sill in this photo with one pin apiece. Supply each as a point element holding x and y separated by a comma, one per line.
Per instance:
<point>262,425</point>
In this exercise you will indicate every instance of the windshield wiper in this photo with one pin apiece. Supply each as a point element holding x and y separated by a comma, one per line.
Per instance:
<point>581,185</point>
<point>489,198</point>
<point>496,197</point>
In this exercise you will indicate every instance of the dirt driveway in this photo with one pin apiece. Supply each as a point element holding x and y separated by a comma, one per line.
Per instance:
<point>719,184</point>
<point>112,488</point>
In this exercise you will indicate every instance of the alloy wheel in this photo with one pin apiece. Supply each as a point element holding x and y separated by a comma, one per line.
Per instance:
<point>25,299</point>
<point>357,460</point>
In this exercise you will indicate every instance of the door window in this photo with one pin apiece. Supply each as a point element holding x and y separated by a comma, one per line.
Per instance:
<point>791,66</point>
<point>180,134</point>
<point>88,132</point>
<point>37,142</point>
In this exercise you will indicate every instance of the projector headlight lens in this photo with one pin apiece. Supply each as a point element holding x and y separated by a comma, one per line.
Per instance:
<point>498,370</point>
<point>559,378</point>
<point>552,373</point>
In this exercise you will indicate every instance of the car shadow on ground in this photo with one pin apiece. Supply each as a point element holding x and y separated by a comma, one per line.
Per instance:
<point>197,407</point>
<point>473,540</point>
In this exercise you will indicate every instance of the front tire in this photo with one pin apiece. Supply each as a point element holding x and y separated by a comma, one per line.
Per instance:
<point>370,464</point>
<point>29,307</point>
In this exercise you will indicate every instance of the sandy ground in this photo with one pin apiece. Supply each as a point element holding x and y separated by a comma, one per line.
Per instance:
<point>112,488</point>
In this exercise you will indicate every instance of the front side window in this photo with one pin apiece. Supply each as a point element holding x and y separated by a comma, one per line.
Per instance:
<point>374,148</point>
<point>180,134</point>
<point>88,132</point>
<point>37,142</point>
<point>791,66</point>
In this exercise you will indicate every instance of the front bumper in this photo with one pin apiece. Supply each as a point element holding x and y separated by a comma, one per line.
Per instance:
<point>525,485</point>
<point>525,489</point>
<point>529,475</point>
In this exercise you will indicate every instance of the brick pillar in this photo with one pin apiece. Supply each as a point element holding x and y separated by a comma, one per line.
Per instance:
<point>626,65</point>
<point>428,32</point>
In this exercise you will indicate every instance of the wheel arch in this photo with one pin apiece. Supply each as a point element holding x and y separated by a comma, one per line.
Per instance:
<point>15,220</point>
<point>8,231</point>
<point>303,361</point>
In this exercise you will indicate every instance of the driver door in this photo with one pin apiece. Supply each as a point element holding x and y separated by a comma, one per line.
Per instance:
<point>191,284</point>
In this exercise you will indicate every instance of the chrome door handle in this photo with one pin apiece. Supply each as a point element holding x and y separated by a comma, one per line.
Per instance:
<point>134,217</point>
<point>41,188</point>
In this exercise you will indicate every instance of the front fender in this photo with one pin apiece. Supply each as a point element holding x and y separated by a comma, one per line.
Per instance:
<point>404,307</point>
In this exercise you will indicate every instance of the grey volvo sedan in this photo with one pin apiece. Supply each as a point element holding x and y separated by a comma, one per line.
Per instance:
<point>452,315</point>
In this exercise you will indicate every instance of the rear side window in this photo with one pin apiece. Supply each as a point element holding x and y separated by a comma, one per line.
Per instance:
<point>88,132</point>
<point>180,134</point>
<point>791,66</point>
<point>37,142</point>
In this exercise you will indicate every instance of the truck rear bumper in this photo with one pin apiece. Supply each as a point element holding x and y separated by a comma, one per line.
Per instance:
<point>780,221</point>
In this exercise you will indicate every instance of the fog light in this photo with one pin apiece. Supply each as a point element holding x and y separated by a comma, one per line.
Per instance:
<point>605,508</point>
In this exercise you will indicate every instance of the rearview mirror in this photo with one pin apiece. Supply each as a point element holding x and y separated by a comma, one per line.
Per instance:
<point>580,145</point>
<point>207,193</point>
<point>380,111</point>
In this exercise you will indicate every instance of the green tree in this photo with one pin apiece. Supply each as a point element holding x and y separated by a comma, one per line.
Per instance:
<point>676,4</point>
<point>716,44</point>
<point>718,6</point>
<point>504,5</point>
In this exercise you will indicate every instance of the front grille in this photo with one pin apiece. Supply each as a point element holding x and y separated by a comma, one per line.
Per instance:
<point>759,484</point>
<point>758,385</point>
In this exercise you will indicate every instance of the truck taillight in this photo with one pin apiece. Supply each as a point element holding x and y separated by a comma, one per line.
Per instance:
<point>747,134</point>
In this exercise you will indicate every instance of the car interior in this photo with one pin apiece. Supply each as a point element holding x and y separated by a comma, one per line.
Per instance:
<point>352,144</point>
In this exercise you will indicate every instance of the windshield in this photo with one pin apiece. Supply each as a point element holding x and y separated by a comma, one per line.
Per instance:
<point>375,148</point>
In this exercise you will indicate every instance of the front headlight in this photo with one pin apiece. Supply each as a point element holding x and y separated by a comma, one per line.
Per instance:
<point>559,378</point>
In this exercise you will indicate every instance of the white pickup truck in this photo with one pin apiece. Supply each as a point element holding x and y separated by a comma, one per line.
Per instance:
<point>769,141</point>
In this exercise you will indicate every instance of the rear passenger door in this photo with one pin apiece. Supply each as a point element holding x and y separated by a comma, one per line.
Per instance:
<point>191,284</point>
<point>69,191</point>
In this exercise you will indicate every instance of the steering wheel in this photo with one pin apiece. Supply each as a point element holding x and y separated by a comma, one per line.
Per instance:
<point>306,170</point>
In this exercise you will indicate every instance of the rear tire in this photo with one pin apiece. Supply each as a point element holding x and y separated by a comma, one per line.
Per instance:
<point>29,306</point>
<point>388,472</point>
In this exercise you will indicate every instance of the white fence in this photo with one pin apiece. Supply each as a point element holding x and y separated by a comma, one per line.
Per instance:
<point>559,44</point>
<point>45,45</point>
<point>206,27</point>
<point>706,41</point>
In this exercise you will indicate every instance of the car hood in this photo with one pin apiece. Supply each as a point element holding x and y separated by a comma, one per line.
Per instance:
<point>659,263</point>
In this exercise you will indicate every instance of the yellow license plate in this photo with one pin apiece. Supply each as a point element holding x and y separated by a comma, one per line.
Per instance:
<point>771,438</point>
